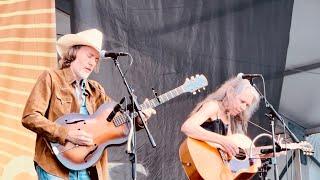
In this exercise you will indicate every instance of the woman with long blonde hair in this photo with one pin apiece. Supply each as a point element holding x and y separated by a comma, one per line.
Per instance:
<point>223,112</point>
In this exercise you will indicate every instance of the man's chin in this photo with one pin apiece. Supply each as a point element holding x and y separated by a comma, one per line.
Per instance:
<point>85,76</point>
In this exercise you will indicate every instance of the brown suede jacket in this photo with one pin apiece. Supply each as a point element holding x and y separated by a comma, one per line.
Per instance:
<point>53,96</point>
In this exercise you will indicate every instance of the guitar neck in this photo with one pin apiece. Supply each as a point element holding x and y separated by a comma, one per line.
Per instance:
<point>257,150</point>
<point>162,98</point>
<point>119,120</point>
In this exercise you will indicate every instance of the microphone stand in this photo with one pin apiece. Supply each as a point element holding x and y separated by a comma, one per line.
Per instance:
<point>272,115</point>
<point>136,110</point>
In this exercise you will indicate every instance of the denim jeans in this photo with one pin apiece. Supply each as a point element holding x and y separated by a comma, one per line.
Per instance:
<point>73,175</point>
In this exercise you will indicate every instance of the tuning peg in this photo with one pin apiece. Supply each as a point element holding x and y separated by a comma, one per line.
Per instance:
<point>192,77</point>
<point>197,75</point>
<point>204,88</point>
<point>194,93</point>
<point>199,90</point>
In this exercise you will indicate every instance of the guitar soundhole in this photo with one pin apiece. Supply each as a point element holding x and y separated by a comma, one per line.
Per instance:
<point>241,155</point>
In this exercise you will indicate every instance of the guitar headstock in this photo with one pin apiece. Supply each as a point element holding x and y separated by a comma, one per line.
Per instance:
<point>195,83</point>
<point>304,146</point>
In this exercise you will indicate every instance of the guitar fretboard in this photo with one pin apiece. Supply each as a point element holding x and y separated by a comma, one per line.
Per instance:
<point>121,119</point>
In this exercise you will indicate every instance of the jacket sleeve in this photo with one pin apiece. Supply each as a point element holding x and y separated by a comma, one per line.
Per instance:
<point>34,115</point>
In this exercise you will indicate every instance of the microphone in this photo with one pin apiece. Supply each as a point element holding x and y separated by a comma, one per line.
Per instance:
<point>270,150</point>
<point>114,112</point>
<point>248,76</point>
<point>267,151</point>
<point>113,55</point>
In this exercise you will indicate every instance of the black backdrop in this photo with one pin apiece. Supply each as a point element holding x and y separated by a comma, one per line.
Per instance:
<point>171,40</point>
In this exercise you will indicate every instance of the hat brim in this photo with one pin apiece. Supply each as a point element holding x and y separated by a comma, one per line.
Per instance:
<point>69,40</point>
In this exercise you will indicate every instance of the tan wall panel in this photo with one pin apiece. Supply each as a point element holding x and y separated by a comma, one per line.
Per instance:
<point>27,47</point>
<point>19,72</point>
<point>25,87</point>
<point>14,149</point>
<point>16,124</point>
<point>26,5</point>
<point>34,74</point>
<point>30,33</point>
<point>17,138</point>
<point>10,110</point>
<point>27,19</point>
<point>13,98</point>
<point>29,60</point>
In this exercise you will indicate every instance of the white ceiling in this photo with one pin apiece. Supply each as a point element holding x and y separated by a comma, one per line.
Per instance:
<point>300,99</point>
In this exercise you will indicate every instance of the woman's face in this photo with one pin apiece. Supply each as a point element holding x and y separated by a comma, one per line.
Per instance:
<point>241,102</point>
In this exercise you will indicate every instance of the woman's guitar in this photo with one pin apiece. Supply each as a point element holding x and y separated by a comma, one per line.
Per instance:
<point>202,160</point>
<point>108,133</point>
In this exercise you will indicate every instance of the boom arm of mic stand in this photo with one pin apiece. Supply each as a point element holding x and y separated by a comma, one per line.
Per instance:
<point>274,162</point>
<point>136,105</point>
<point>277,115</point>
<point>130,134</point>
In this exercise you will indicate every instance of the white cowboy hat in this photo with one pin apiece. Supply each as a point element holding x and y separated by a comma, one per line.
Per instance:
<point>90,37</point>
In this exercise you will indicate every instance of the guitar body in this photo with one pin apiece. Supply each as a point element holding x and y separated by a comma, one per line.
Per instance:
<point>202,160</point>
<point>104,134</point>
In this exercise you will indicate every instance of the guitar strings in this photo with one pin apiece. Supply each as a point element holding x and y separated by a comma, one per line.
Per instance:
<point>69,148</point>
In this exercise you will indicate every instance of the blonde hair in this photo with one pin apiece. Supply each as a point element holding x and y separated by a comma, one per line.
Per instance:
<point>235,86</point>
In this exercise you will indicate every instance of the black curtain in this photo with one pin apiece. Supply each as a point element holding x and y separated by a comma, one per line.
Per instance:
<point>172,40</point>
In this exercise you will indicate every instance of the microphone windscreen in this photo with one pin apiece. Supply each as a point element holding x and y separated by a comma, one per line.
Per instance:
<point>240,75</point>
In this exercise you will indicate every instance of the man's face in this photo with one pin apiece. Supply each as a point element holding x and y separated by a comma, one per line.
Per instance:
<point>86,60</point>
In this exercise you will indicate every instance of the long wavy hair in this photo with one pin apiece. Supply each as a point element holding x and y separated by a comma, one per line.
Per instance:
<point>225,93</point>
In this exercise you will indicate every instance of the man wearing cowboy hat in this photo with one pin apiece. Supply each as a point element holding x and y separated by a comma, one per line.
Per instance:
<point>63,91</point>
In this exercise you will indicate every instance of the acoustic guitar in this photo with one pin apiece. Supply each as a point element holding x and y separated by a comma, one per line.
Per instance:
<point>203,160</point>
<point>107,133</point>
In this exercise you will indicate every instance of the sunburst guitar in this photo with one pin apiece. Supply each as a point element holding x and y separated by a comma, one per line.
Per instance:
<point>108,133</point>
